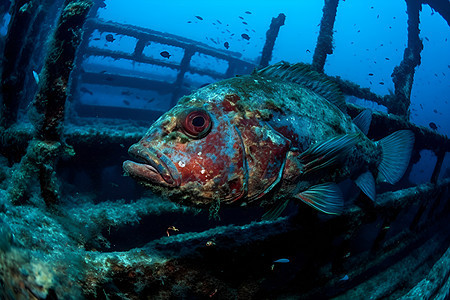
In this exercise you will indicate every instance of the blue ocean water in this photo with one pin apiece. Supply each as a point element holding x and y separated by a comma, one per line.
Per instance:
<point>369,41</point>
<point>111,237</point>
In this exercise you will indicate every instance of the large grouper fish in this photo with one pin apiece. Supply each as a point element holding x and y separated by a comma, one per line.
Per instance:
<point>278,134</point>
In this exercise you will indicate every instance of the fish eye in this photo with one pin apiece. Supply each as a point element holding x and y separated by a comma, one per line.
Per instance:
<point>195,123</point>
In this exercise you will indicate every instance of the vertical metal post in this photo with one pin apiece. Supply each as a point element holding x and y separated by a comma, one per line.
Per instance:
<point>48,108</point>
<point>271,36</point>
<point>324,44</point>
<point>403,74</point>
<point>184,67</point>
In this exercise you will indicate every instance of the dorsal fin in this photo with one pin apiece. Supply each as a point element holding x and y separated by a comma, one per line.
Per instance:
<point>303,75</point>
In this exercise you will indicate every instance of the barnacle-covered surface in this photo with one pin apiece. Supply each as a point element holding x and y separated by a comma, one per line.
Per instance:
<point>64,251</point>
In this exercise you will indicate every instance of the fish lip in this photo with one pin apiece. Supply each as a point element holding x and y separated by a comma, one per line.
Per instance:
<point>153,166</point>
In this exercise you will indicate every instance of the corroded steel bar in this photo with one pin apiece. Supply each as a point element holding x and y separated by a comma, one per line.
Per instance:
<point>436,285</point>
<point>324,44</point>
<point>184,67</point>
<point>49,103</point>
<point>271,36</point>
<point>352,89</point>
<point>441,6</point>
<point>162,37</point>
<point>383,124</point>
<point>176,257</point>
<point>403,74</point>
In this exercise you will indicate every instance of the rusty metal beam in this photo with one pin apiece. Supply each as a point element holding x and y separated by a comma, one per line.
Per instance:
<point>403,74</point>
<point>441,6</point>
<point>49,108</point>
<point>324,44</point>
<point>271,36</point>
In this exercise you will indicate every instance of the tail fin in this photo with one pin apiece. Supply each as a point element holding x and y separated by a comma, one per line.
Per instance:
<point>396,154</point>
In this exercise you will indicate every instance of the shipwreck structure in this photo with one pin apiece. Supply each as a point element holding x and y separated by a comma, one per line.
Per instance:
<point>60,240</point>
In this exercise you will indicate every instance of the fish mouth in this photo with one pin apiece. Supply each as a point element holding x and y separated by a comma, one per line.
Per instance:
<point>153,166</point>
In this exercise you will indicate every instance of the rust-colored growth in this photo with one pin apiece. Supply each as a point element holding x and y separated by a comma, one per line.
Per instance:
<point>271,36</point>
<point>49,103</point>
<point>324,44</point>
<point>403,75</point>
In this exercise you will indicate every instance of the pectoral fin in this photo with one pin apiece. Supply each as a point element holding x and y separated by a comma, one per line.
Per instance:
<point>327,153</point>
<point>397,148</point>
<point>275,211</point>
<point>326,197</point>
<point>366,183</point>
<point>363,120</point>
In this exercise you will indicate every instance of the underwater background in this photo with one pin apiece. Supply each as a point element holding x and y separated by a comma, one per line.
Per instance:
<point>73,226</point>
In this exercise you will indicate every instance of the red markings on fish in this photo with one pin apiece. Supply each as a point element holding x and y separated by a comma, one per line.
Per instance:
<point>229,102</point>
<point>261,138</point>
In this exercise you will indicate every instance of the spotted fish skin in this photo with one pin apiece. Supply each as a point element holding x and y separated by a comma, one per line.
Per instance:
<point>277,134</point>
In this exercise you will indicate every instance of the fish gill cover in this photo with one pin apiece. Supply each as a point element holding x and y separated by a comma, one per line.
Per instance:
<point>303,146</point>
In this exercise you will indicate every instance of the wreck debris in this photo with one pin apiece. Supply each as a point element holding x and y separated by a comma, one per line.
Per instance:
<point>271,36</point>
<point>403,74</point>
<point>51,255</point>
<point>324,45</point>
<point>49,107</point>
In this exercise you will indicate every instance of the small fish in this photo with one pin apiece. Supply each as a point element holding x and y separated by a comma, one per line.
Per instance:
<point>200,18</point>
<point>248,12</point>
<point>126,102</point>
<point>245,23</point>
<point>433,126</point>
<point>165,54</point>
<point>307,51</point>
<point>96,39</point>
<point>345,278</point>
<point>370,74</point>
<point>126,93</point>
<point>85,90</point>
<point>189,21</point>
<point>110,38</point>
<point>435,111</point>
<point>386,58</point>
<point>172,228</point>
<point>381,83</point>
<point>427,39</point>
<point>281,261</point>
<point>226,45</point>
<point>36,77</point>
<point>241,18</point>
<point>245,36</point>
<point>219,22</point>
<point>102,72</point>
<point>210,243</point>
